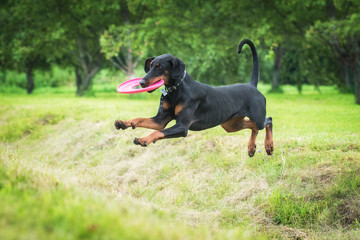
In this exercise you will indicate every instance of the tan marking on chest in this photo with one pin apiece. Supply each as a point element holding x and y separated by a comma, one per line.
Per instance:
<point>178,108</point>
<point>166,105</point>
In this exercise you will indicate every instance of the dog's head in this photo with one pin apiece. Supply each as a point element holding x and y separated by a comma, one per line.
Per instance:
<point>165,67</point>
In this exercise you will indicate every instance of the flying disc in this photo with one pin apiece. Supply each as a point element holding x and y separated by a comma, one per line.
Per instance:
<point>130,86</point>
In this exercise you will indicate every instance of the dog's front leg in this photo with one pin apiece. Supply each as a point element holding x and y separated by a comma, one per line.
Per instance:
<point>183,116</point>
<point>151,123</point>
<point>130,123</point>
<point>162,118</point>
<point>178,130</point>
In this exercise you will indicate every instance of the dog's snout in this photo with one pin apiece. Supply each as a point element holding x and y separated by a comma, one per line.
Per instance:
<point>142,83</point>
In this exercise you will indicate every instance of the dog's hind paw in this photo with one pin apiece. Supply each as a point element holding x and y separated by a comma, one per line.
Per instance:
<point>269,147</point>
<point>269,143</point>
<point>251,151</point>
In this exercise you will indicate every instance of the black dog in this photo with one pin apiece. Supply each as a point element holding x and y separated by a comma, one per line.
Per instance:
<point>198,106</point>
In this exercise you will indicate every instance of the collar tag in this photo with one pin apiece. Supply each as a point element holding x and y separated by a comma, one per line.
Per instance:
<point>163,92</point>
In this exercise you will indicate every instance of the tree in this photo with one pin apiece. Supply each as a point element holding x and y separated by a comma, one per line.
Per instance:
<point>341,32</point>
<point>36,33</point>
<point>26,42</point>
<point>283,27</point>
<point>83,22</point>
<point>204,34</point>
<point>124,44</point>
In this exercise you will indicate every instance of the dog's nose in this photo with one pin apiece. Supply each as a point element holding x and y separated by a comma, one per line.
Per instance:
<point>142,83</point>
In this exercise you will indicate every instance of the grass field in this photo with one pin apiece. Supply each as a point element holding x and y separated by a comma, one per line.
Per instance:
<point>66,173</point>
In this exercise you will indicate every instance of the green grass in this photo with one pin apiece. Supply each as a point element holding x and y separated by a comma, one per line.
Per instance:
<point>43,209</point>
<point>62,159</point>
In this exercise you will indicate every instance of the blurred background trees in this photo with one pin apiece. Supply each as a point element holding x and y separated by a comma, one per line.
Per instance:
<point>299,42</point>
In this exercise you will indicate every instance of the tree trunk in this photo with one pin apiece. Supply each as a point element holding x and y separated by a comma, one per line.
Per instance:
<point>346,76</point>
<point>298,80</point>
<point>87,65</point>
<point>3,78</point>
<point>126,61</point>
<point>356,75</point>
<point>277,66</point>
<point>79,89</point>
<point>349,55</point>
<point>345,81</point>
<point>130,65</point>
<point>356,68</point>
<point>275,81</point>
<point>30,80</point>
<point>83,81</point>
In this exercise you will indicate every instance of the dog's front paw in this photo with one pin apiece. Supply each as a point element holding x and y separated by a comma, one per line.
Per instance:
<point>123,125</point>
<point>140,142</point>
<point>120,125</point>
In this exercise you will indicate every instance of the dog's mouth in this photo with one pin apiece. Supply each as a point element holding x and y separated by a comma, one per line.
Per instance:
<point>155,80</point>
<point>148,83</point>
<point>145,84</point>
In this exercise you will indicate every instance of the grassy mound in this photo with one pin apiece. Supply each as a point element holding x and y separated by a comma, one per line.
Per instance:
<point>63,162</point>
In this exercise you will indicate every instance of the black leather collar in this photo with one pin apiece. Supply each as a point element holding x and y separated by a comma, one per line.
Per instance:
<point>174,87</point>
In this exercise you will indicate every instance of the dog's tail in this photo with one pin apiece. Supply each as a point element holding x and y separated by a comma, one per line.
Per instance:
<point>255,73</point>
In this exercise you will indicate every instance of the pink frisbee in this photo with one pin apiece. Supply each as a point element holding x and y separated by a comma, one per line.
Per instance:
<point>130,86</point>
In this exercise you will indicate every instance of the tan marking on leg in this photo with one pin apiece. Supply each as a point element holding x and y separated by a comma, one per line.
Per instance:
<point>233,125</point>
<point>254,132</point>
<point>269,143</point>
<point>239,123</point>
<point>153,137</point>
<point>252,143</point>
<point>146,123</point>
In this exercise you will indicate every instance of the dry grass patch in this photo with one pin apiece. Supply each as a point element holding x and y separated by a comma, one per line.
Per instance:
<point>304,191</point>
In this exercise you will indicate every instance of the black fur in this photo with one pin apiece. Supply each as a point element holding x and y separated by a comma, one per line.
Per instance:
<point>203,106</point>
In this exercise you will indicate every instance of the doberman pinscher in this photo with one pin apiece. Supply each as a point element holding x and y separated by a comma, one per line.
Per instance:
<point>197,106</point>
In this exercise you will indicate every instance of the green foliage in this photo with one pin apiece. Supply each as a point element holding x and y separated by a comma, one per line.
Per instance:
<point>319,38</point>
<point>54,77</point>
<point>122,38</point>
<point>27,41</point>
<point>340,32</point>
<point>12,78</point>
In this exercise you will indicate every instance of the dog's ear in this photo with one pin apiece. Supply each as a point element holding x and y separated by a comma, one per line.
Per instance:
<point>147,64</point>
<point>178,68</point>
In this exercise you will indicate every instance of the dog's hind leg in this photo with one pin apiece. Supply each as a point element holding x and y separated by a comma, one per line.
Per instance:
<point>269,143</point>
<point>252,141</point>
<point>238,123</point>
